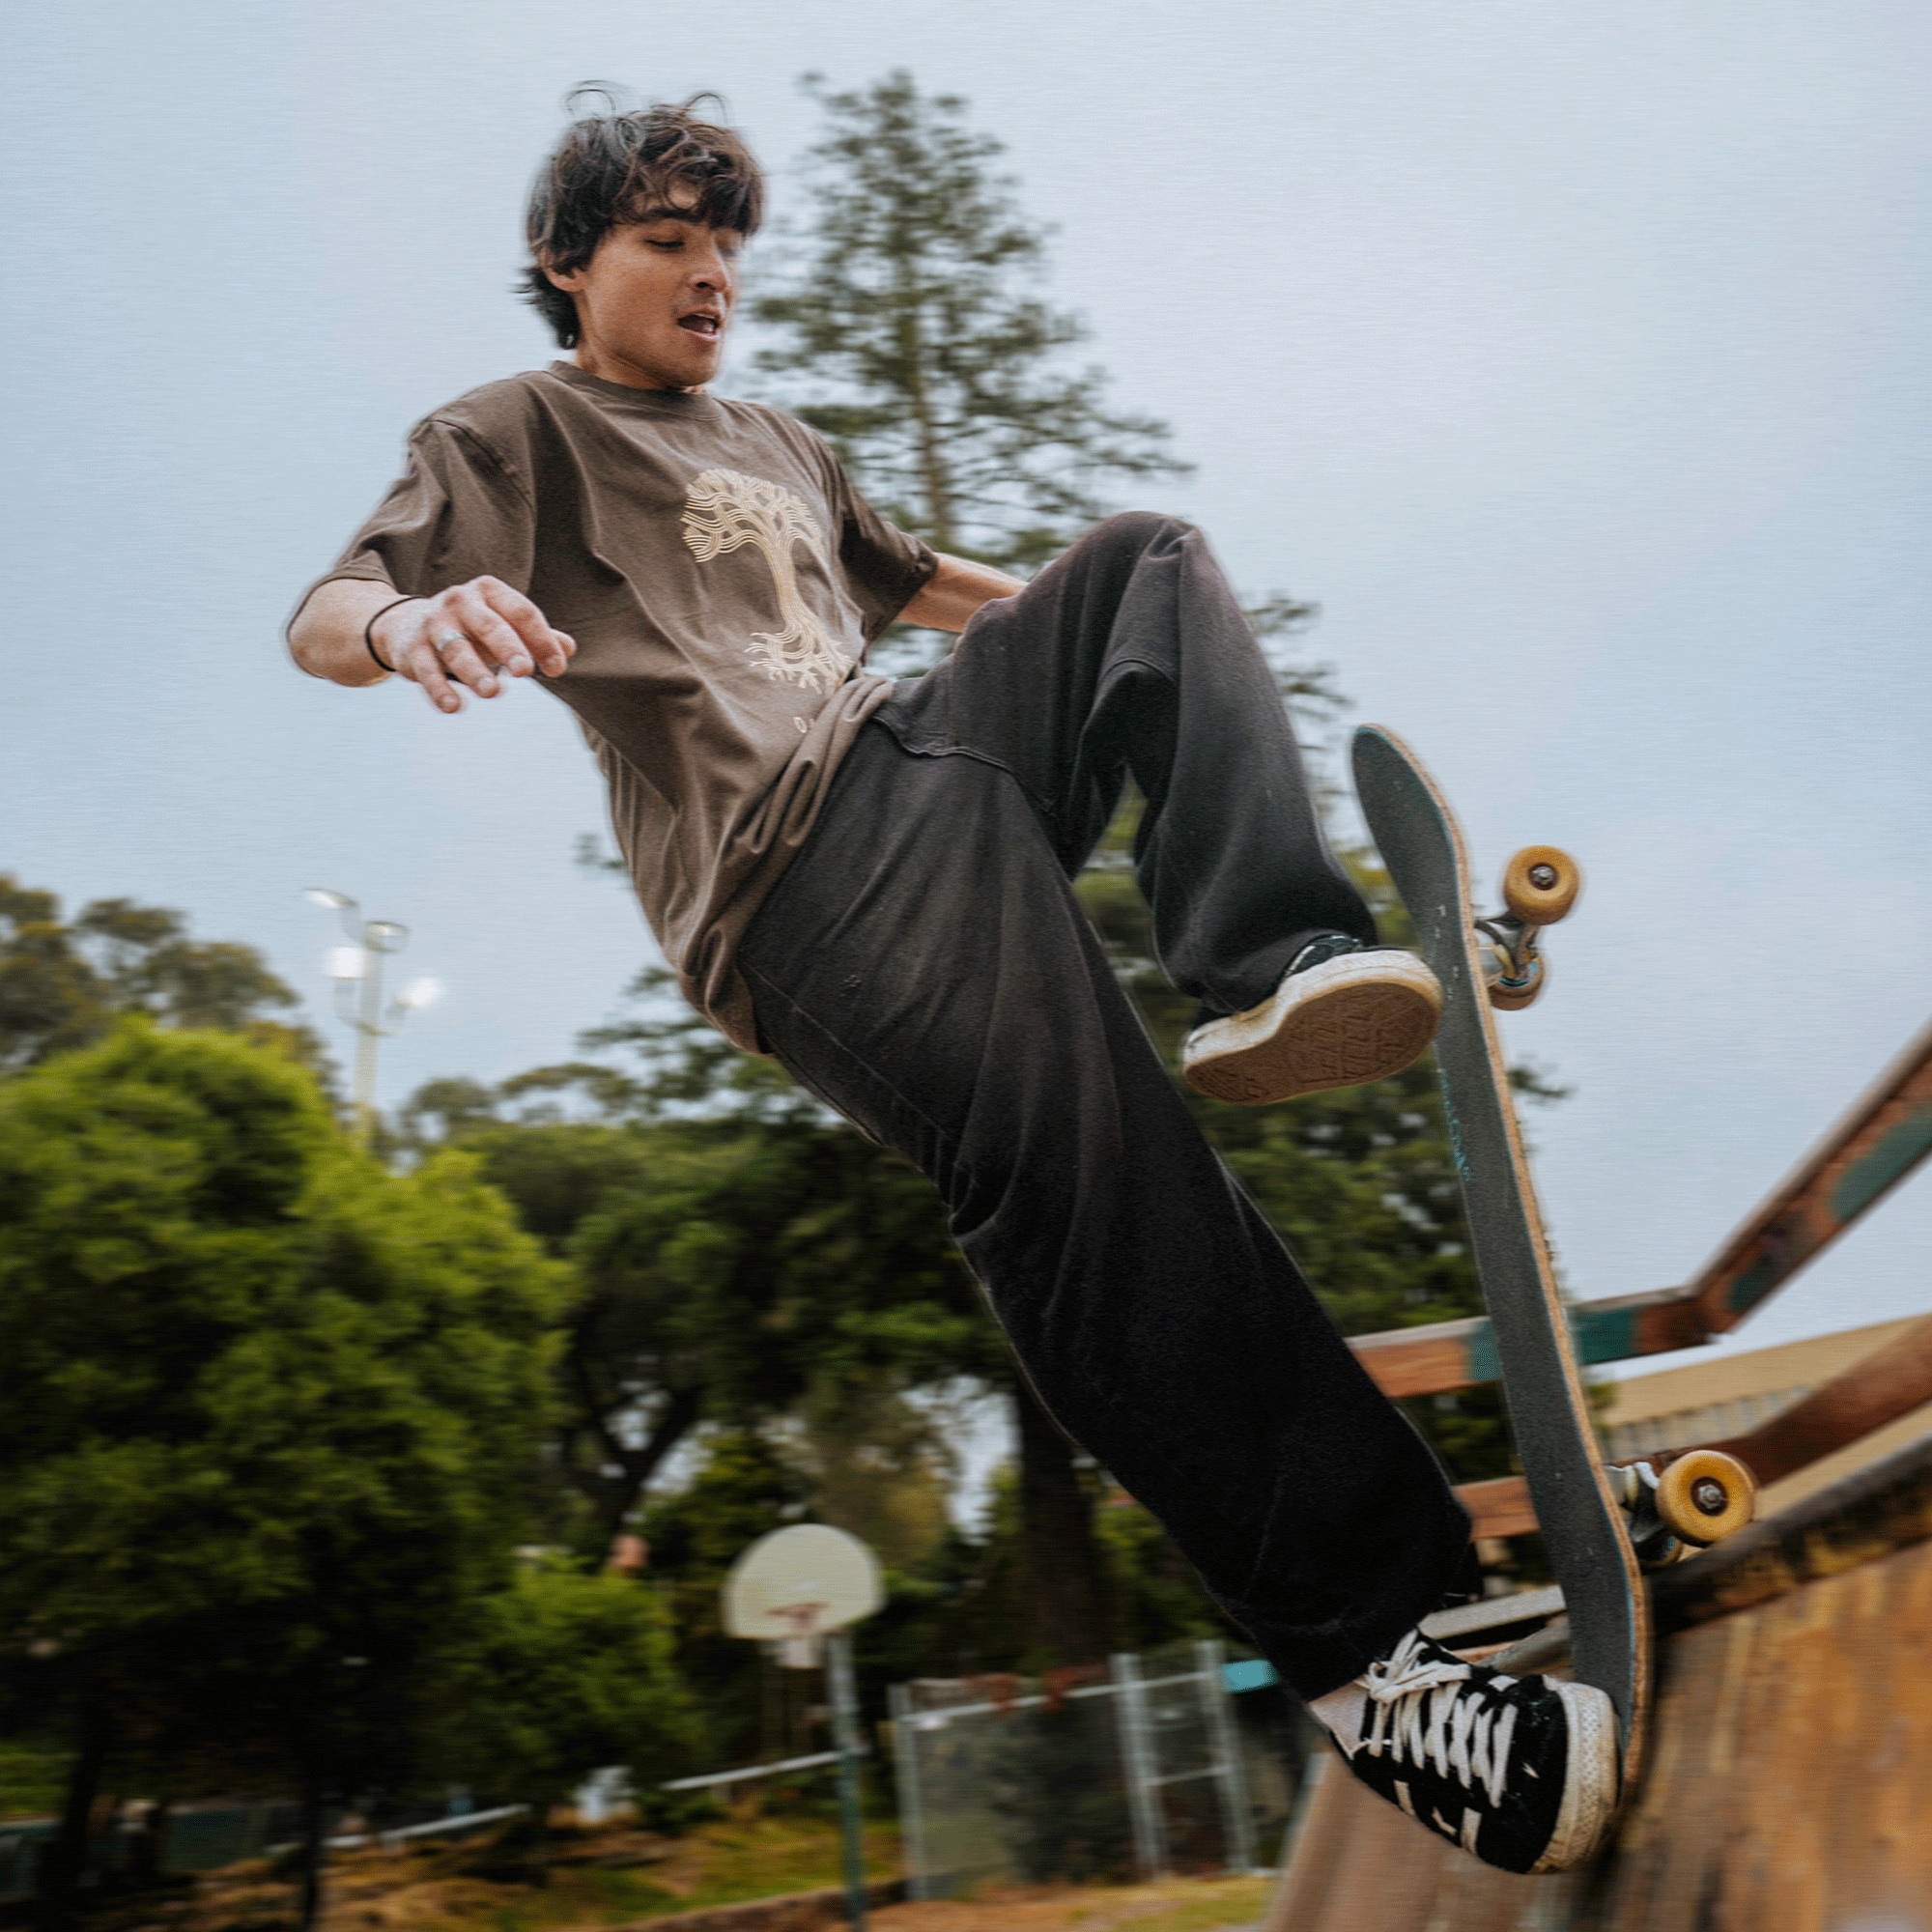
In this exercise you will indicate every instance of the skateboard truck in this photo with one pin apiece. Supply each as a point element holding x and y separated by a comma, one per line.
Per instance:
<point>1694,1500</point>
<point>1540,885</point>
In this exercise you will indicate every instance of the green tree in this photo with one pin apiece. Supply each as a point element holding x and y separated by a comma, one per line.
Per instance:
<point>64,982</point>
<point>732,1269</point>
<point>567,1673</point>
<point>880,1466</point>
<point>266,1415</point>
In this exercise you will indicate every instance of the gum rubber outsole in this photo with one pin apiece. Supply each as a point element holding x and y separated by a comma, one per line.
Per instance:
<point>1591,1791</point>
<point>1359,1017</point>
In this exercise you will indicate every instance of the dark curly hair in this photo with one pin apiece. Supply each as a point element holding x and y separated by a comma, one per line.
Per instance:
<point>608,168</point>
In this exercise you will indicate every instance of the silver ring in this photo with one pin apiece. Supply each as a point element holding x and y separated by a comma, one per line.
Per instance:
<point>447,639</point>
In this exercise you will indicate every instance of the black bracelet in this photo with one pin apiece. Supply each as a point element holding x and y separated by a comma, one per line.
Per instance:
<point>368,629</point>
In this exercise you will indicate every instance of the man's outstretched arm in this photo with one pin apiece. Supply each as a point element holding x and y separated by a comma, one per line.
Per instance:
<point>469,634</point>
<point>954,591</point>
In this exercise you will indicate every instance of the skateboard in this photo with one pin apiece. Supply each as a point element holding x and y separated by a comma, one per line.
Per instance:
<point>1601,1526</point>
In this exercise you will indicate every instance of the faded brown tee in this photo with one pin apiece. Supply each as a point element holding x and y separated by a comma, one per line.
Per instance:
<point>722,579</point>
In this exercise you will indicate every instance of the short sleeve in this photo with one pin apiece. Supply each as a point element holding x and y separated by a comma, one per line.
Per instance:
<point>885,569</point>
<point>456,512</point>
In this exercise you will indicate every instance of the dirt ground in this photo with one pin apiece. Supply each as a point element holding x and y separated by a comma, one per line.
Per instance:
<point>1180,1905</point>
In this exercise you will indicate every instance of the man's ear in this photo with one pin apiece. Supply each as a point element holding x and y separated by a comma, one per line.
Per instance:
<point>571,284</point>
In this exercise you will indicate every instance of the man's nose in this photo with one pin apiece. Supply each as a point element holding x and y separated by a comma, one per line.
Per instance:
<point>714,275</point>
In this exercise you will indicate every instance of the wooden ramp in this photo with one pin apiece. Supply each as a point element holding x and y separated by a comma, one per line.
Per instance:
<point>1790,1783</point>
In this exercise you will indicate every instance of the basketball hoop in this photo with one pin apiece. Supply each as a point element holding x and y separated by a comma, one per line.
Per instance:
<point>795,1587</point>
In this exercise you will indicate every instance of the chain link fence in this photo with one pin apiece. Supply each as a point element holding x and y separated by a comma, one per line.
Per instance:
<point>1175,1760</point>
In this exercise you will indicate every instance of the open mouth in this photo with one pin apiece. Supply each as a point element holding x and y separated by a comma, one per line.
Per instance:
<point>702,323</point>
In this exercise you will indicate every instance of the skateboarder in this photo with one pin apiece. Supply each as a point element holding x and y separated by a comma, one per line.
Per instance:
<point>871,881</point>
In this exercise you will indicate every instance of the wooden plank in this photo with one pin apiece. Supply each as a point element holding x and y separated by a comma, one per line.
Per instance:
<point>1886,1133</point>
<point>1500,1507</point>
<point>1430,1360</point>
<point>1447,1355</point>
<point>1358,1864</point>
<point>1877,1389</point>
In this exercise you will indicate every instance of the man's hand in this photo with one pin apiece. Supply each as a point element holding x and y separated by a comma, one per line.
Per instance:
<point>465,636</point>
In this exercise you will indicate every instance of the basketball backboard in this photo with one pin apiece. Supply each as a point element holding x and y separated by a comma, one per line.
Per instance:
<point>796,1585</point>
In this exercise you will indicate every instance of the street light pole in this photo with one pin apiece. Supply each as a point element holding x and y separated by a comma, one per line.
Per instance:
<point>356,970</point>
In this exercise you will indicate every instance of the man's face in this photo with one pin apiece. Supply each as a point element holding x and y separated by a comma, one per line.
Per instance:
<point>654,302</point>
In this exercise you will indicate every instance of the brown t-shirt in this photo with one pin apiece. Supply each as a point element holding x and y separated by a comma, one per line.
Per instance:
<point>722,579</point>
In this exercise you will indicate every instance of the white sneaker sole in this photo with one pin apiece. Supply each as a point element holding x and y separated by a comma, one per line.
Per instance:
<point>1351,1019</point>
<point>1590,1778</point>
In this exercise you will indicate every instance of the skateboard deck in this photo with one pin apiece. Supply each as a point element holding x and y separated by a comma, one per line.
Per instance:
<point>1582,1526</point>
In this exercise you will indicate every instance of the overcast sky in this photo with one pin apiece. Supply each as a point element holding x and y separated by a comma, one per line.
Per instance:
<point>1573,359</point>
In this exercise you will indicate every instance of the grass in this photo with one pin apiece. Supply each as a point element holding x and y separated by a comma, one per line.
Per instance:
<point>1215,1902</point>
<point>32,1778</point>
<point>612,1876</point>
<point>716,1863</point>
<point>619,1875</point>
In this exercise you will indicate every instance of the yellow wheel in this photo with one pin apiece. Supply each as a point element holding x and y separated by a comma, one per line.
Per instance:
<point>1511,995</point>
<point>1541,884</point>
<point>1705,1496</point>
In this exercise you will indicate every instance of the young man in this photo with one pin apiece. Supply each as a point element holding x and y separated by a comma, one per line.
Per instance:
<point>870,881</point>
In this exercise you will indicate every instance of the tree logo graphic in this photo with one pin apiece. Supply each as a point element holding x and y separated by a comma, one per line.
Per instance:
<point>726,510</point>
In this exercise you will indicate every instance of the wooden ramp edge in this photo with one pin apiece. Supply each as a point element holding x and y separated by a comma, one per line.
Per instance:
<point>1791,1755</point>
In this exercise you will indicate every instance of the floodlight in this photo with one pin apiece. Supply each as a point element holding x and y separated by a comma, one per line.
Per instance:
<point>420,993</point>
<point>347,962</point>
<point>321,895</point>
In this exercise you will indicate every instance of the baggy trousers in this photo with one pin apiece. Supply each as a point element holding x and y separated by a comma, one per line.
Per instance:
<point>925,969</point>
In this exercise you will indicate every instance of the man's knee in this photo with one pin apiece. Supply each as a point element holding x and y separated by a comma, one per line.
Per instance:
<point>1136,531</point>
<point>1111,551</point>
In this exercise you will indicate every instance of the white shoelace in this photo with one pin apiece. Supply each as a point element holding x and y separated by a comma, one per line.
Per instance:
<point>1427,1712</point>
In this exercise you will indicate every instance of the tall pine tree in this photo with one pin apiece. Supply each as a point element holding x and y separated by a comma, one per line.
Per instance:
<point>927,357</point>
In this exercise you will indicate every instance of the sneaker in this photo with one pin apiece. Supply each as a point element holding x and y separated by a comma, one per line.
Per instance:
<point>1345,1012</point>
<point>1521,1772</point>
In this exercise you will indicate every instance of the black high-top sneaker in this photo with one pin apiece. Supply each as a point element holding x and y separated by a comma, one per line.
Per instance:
<point>1345,1012</point>
<point>1521,1772</point>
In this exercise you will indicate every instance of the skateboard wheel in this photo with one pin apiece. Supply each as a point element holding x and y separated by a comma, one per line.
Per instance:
<point>1510,995</point>
<point>1705,1496</point>
<point>1541,884</point>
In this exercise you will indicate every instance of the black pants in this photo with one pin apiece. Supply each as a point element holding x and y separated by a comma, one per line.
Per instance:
<point>925,968</point>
